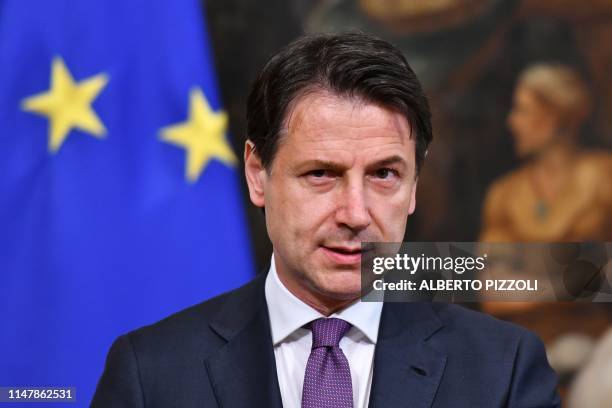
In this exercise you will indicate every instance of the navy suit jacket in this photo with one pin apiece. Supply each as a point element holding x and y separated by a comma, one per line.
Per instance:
<point>219,354</point>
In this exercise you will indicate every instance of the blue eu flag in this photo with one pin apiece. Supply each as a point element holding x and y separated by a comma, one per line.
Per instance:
<point>119,193</point>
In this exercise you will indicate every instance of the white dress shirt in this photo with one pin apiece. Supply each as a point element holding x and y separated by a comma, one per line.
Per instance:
<point>292,343</point>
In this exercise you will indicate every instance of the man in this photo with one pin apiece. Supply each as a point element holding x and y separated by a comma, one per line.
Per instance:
<point>338,128</point>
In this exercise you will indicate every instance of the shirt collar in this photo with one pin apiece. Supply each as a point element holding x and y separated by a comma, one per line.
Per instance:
<point>288,313</point>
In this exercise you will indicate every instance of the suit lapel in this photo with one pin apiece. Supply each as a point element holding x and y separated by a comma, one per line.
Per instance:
<point>407,371</point>
<point>243,372</point>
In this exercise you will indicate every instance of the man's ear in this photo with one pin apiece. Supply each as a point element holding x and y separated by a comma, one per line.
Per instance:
<point>412,205</point>
<point>255,174</point>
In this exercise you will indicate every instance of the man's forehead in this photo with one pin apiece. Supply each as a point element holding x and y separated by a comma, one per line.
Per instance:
<point>323,116</point>
<point>340,132</point>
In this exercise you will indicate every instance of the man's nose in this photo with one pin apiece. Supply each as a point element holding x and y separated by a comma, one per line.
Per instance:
<point>353,210</point>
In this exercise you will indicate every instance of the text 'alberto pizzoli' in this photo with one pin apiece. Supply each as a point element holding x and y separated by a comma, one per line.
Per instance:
<point>457,265</point>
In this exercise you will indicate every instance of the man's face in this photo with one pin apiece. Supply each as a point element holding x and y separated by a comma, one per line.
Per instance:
<point>344,173</point>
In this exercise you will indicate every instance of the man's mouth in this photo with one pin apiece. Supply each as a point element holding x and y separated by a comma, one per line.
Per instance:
<point>344,255</point>
<point>345,249</point>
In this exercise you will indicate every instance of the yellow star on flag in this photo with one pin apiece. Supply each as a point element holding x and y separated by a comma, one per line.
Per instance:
<point>68,104</point>
<point>202,136</point>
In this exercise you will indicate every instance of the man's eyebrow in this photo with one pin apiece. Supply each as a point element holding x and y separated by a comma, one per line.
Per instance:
<point>322,164</point>
<point>339,167</point>
<point>395,159</point>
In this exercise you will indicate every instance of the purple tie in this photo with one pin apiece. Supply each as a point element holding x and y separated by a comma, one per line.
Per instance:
<point>327,383</point>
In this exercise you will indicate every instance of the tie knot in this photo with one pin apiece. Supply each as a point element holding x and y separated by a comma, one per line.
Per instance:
<point>327,332</point>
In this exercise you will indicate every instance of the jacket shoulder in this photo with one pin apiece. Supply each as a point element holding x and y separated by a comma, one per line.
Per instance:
<point>507,360</point>
<point>162,364</point>
<point>190,329</point>
<point>477,326</point>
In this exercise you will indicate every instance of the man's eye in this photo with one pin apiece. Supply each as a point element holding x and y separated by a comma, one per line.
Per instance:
<point>385,173</point>
<point>320,176</point>
<point>318,173</point>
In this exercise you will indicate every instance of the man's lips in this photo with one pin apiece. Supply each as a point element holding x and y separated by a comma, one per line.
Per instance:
<point>343,255</point>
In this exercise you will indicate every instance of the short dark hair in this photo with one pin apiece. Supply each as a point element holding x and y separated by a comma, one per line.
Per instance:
<point>351,64</point>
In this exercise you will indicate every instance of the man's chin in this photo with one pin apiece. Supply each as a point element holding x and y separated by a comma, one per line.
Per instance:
<point>347,287</point>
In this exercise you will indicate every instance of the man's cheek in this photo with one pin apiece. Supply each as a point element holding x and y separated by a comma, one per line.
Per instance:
<point>394,225</point>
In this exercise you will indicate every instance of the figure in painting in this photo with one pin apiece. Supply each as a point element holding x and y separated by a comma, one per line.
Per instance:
<point>562,192</point>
